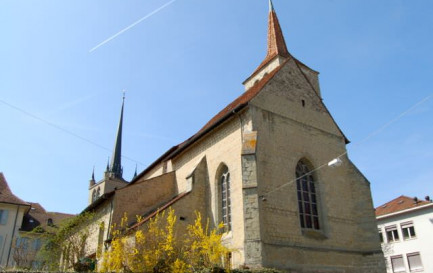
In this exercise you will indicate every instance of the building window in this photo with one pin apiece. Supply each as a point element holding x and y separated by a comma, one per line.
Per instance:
<point>307,197</point>
<point>392,234</point>
<point>224,197</point>
<point>50,222</point>
<point>22,243</point>
<point>397,264</point>
<point>93,195</point>
<point>380,235</point>
<point>3,217</point>
<point>408,230</point>
<point>37,243</point>
<point>414,262</point>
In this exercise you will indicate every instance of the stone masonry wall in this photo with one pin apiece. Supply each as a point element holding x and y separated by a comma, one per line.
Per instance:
<point>293,124</point>
<point>143,196</point>
<point>220,147</point>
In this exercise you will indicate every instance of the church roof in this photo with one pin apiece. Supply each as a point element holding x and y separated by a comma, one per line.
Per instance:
<point>39,217</point>
<point>234,107</point>
<point>6,195</point>
<point>276,47</point>
<point>400,204</point>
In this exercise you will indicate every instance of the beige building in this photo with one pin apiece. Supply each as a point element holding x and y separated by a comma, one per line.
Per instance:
<point>273,167</point>
<point>18,244</point>
<point>12,210</point>
<point>37,222</point>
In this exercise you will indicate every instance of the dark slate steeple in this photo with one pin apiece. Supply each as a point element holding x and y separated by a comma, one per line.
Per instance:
<point>115,168</point>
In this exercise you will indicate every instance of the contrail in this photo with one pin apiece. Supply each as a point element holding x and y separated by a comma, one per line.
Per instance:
<point>132,25</point>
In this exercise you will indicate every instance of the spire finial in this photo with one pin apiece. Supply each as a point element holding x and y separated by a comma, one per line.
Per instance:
<point>93,173</point>
<point>271,6</point>
<point>108,164</point>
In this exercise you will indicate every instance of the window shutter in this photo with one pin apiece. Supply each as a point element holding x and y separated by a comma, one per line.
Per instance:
<point>414,261</point>
<point>398,264</point>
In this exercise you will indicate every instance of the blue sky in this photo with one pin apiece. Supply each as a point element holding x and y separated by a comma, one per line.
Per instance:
<point>182,65</point>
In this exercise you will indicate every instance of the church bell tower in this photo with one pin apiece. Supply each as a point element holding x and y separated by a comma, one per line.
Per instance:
<point>113,175</point>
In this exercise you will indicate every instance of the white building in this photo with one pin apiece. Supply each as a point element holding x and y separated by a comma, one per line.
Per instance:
<point>405,227</point>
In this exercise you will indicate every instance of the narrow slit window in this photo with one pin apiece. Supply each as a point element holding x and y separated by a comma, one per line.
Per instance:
<point>225,199</point>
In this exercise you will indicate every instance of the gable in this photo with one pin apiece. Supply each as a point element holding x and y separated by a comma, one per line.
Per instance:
<point>291,94</point>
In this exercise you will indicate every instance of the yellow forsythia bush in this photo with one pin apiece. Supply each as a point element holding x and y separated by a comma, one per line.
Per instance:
<point>160,249</point>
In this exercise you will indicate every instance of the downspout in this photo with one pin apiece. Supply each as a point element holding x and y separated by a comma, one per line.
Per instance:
<point>13,235</point>
<point>109,222</point>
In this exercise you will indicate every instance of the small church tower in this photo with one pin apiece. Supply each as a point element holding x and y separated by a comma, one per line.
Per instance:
<point>113,174</point>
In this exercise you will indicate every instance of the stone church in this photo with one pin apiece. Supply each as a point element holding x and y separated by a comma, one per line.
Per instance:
<point>272,166</point>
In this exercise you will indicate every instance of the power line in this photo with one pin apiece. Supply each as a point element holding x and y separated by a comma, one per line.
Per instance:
<point>338,160</point>
<point>65,130</point>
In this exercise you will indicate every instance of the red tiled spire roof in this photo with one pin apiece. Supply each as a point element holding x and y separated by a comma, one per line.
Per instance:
<point>276,43</point>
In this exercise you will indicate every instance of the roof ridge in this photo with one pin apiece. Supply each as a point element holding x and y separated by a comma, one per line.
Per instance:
<point>237,104</point>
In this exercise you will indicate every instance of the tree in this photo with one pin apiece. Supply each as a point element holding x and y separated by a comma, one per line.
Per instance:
<point>159,248</point>
<point>21,252</point>
<point>66,246</point>
<point>203,248</point>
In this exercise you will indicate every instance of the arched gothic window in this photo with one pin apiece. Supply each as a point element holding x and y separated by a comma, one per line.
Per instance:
<point>94,196</point>
<point>307,197</point>
<point>224,191</point>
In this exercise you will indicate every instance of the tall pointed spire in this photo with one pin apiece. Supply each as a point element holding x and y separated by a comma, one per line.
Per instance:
<point>116,159</point>
<point>277,51</point>
<point>276,42</point>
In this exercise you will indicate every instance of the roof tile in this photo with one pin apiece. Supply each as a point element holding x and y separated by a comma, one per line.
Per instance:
<point>399,204</point>
<point>6,195</point>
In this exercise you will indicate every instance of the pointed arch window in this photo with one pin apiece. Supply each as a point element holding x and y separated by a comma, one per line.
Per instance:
<point>224,192</point>
<point>307,197</point>
<point>94,196</point>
